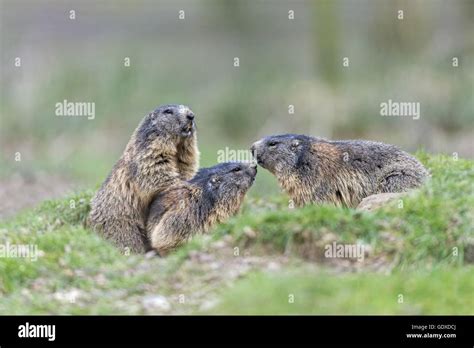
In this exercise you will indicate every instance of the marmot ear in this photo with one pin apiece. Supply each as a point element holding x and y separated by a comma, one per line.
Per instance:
<point>215,180</point>
<point>295,143</point>
<point>153,117</point>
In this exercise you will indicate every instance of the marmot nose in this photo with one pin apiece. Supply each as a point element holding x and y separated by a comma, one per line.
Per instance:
<point>190,116</point>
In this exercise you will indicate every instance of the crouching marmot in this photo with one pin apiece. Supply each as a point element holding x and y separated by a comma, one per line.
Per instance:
<point>316,170</point>
<point>193,206</point>
<point>161,151</point>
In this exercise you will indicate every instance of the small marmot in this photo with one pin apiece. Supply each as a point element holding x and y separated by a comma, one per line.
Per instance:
<point>162,151</point>
<point>193,206</point>
<point>316,170</point>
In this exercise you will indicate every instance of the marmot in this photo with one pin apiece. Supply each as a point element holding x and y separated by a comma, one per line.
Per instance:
<point>193,206</point>
<point>316,170</point>
<point>162,151</point>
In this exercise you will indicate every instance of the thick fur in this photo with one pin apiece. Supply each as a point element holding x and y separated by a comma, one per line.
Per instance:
<point>316,170</point>
<point>162,151</point>
<point>193,206</point>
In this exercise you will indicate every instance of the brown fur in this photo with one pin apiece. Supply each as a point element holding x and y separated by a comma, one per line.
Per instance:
<point>315,170</point>
<point>192,207</point>
<point>147,166</point>
<point>345,186</point>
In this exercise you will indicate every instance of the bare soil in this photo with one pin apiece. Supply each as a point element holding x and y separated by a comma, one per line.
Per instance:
<point>21,191</point>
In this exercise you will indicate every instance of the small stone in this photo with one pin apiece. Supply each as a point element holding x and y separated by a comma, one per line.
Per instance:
<point>68,296</point>
<point>273,266</point>
<point>249,232</point>
<point>328,237</point>
<point>214,265</point>
<point>156,302</point>
<point>219,244</point>
<point>25,293</point>
<point>151,254</point>
<point>377,201</point>
<point>208,305</point>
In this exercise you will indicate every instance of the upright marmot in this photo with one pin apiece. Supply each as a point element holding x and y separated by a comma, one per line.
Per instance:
<point>193,206</point>
<point>162,151</point>
<point>316,170</point>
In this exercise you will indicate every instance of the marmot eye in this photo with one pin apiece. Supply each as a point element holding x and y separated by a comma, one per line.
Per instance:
<point>168,111</point>
<point>272,143</point>
<point>236,169</point>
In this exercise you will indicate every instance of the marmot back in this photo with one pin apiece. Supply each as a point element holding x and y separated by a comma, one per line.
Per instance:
<point>162,151</point>
<point>316,170</point>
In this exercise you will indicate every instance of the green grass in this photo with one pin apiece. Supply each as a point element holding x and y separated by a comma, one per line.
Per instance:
<point>437,292</point>
<point>419,251</point>
<point>432,221</point>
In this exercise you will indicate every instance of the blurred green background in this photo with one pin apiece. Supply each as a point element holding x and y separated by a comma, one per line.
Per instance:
<point>191,61</point>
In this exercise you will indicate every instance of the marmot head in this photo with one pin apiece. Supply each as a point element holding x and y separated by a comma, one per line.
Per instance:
<point>226,181</point>
<point>169,121</point>
<point>281,154</point>
<point>193,206</point>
